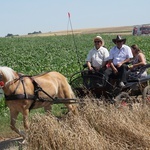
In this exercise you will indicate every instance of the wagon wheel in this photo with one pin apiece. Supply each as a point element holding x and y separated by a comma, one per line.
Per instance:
<point>123,100</point>
<point>146,95</point>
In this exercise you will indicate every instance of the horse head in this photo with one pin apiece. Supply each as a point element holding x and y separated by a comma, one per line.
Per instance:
<point>6,75</point>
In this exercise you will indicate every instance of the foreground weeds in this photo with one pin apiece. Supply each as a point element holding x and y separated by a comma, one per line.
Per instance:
<point>97,127</point>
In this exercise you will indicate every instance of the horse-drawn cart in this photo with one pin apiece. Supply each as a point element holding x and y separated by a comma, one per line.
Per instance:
<point>86,83</point>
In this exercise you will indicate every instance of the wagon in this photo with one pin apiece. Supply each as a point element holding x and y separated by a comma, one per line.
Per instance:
<point>87,83</point>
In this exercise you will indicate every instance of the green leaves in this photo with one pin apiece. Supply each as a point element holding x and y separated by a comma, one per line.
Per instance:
<point>65,54</point>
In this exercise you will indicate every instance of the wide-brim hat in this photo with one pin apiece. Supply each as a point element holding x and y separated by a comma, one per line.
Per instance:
<point>99,38</point>
<point>119,38</point>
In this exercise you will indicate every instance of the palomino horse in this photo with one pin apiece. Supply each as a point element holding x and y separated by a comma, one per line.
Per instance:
<point>23,93</point>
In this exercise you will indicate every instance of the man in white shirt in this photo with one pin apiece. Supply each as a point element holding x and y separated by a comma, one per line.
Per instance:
<point>98,56</point>
<point>118,57</point>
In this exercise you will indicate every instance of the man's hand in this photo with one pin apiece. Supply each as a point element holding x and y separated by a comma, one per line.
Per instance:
<point>91,68</point>
<point>115,71</point>
<point>119,65</point>
<point>113,68</point>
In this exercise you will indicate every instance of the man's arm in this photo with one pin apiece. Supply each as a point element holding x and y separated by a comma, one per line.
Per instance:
<point>123,62</point>
<point>113,67</point>
<point>89,65</point>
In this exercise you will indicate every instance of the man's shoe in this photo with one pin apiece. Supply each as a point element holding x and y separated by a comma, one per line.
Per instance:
<point>121,84</point>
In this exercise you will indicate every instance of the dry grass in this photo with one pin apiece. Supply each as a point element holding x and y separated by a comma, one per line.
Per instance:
<point>110,30</point>
<point>97,127</point>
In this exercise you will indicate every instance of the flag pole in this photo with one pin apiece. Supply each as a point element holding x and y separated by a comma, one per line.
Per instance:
<point>69,16</point>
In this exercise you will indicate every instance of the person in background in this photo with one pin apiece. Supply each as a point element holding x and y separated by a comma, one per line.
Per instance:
<point>119,55</point>
<point>98,56</point>
<point>139,60</point>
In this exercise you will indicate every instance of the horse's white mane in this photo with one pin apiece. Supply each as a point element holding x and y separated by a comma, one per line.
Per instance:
<point>8,73</point>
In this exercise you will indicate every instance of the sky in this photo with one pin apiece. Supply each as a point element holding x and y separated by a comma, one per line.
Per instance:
<point>26,16</point>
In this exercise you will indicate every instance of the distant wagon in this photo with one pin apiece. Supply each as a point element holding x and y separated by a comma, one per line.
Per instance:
<point>141,30</point>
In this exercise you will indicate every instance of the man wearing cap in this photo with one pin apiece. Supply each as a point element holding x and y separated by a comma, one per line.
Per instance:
<point>98,56</point>
<point>119,55</point>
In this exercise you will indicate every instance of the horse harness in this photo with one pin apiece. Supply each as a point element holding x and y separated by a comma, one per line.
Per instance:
<point>26,96</point>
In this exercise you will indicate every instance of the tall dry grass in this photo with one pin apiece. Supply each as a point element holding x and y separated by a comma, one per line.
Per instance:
<point>98,127</point>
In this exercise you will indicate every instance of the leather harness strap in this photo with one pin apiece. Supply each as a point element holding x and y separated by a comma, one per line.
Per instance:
<point>35,97</point>
<point>18,96</point>
<point>26,96</point>
<point>15,96</point>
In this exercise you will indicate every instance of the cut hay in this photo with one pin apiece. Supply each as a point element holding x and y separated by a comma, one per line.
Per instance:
<point>97,127</point>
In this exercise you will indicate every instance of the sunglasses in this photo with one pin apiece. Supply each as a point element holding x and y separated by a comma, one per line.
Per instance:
<point>97,41</point>
<point>119,41</point>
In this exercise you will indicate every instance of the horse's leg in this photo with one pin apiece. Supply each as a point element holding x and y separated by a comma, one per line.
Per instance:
<point>13,117</point>
<point>72,108</point>
<point>25,119</point>
<point>70,95</point>
<point>25,114</point>
<point>67,95</point>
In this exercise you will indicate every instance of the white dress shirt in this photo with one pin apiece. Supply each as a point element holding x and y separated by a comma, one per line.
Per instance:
<point>119,55</point>
<point>96,57</point>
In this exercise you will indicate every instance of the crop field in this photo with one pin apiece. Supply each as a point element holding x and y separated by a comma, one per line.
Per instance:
<point>65,54</point>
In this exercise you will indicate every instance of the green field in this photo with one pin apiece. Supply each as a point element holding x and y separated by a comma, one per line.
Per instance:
<point>65,54</point>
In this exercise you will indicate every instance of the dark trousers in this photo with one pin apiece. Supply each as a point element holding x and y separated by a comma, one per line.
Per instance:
<point>121,75</point>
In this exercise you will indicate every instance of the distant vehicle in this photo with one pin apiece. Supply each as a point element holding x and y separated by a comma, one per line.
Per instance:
<point>141,30</point>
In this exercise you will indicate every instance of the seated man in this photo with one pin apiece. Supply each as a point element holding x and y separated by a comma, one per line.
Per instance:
<point>98,56</point>
<point>120,54</point>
